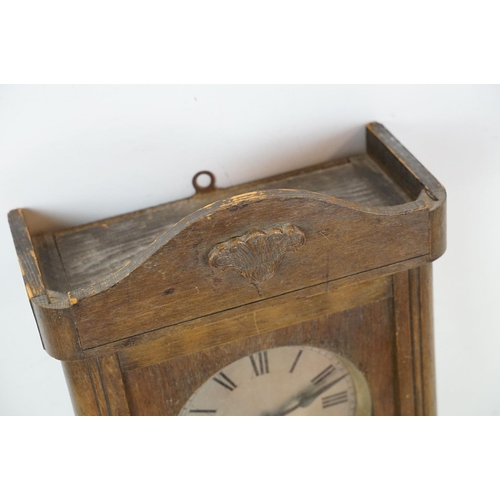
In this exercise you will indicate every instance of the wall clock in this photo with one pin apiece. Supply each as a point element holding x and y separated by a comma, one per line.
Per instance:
<point>307,293</point>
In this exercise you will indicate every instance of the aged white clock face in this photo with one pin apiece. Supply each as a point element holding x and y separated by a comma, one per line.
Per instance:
<point>290,380</point>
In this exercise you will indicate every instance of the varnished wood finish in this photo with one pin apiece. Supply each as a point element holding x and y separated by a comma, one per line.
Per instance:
<point>141,313</point>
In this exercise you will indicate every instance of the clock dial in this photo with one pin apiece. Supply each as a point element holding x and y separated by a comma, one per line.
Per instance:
<point>290,380</point>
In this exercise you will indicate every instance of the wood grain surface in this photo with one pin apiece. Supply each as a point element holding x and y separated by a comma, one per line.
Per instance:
<point>141,313</point>
<point>93,251</point>
<point>176,283</point>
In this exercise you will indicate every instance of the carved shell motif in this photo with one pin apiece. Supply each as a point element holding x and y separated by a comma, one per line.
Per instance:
<point>257,254</point>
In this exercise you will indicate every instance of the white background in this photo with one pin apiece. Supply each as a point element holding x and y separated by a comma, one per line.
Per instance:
<point>74,154</point>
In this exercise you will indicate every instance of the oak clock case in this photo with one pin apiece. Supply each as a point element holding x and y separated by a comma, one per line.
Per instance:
<point>205,303</point>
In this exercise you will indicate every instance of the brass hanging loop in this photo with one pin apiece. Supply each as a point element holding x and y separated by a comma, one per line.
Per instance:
<point>204,189</point>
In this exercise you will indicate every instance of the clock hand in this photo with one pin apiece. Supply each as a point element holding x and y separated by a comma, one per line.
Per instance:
<point>307,397</point>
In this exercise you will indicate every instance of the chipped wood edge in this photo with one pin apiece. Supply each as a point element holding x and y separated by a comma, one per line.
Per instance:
<point>26,255</point>
<point>53,314</point>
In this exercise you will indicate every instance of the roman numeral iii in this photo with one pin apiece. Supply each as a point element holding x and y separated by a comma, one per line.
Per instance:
<point>261,365</point>
<point>335,399</point>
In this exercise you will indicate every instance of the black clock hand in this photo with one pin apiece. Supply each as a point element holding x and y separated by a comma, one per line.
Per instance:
<point>308,397</point>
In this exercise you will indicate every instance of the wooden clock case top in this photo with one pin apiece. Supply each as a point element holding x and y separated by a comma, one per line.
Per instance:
<point>140,314</point>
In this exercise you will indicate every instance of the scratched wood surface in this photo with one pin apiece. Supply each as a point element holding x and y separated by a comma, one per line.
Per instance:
<point>251,321</point>
<point>176,283</point>
<point>363,335</point>
<point>129,302</point>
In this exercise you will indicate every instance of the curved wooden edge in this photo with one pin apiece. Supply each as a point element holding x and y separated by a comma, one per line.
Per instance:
<point>437,232</point>
<point>382,146</point>
<point>34,283</point>
<point>233,203</point>
<point>56,315</point>
<point>402,167</point>
<point>57,327</point>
